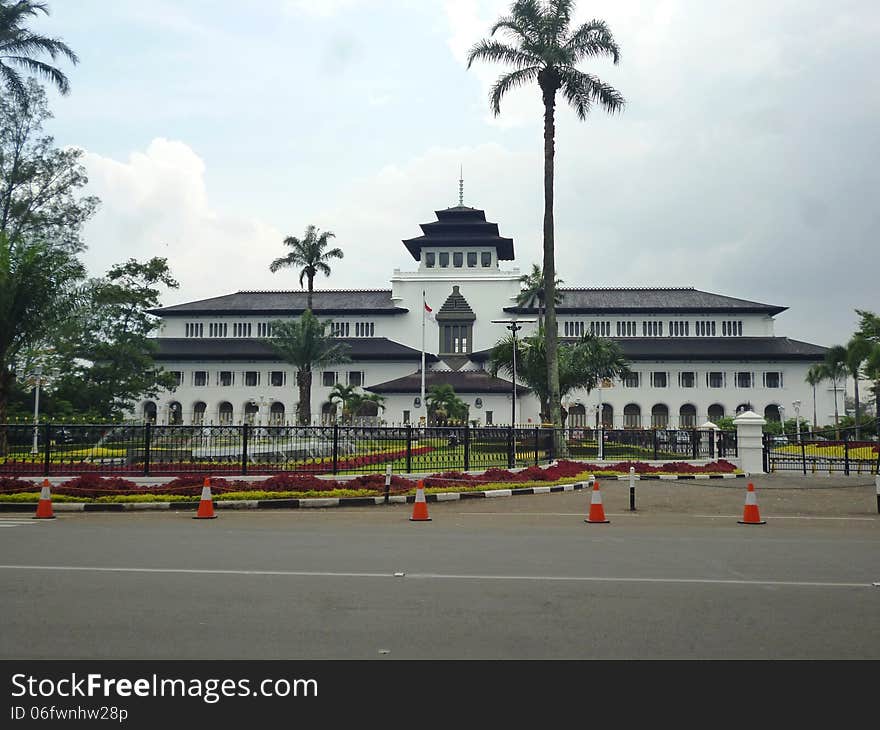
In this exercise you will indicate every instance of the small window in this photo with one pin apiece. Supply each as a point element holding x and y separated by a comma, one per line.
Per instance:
<point>200,378</point>
<point>658,380</point>
<point>429,259</point>
<point>444,260</point>
<point>457,259</point>
<point>251,378</point>
<point>178,376</point>
<point>631,380</point>
<point>489,418</point>
<point>773,380</point>
<point>328,378</point>
<point>472,259</point>
<point>715,379</point>
<point>355,377</point>
<point>225,378</point>
<point>406,416</point>
<point>743,380</point>
<point>276,378</point>
<point>486,259</point>
<point>689,380</point>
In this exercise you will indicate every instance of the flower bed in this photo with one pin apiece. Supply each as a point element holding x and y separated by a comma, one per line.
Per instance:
<point>95,487</point>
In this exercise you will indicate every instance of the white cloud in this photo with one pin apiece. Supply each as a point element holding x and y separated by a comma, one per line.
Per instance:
<point>156,204</point>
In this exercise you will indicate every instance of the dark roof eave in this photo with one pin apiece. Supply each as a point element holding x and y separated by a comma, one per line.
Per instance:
<point>648,310</point>
<point>171,312</point>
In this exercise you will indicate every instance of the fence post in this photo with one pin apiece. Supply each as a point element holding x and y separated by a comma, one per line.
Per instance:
<point>751,443</point>
<point>47,456</point>
<point>537,442</point>
<point>467,446</point>
<point>409,448</point>
<point>387,481</point>
<point>510,455</point>
<point>632,489</point>
<point>804,456</point>
<point>336,447</point>
<point>147,438</point>
<point>695,440</point>
<point>846,453</point>
<point>711,437</point>
<point>654,432</point>
<point>244,447</point>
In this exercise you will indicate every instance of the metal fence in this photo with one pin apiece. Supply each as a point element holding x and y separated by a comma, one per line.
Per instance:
<point>815,454</point>
<point>147,449</point>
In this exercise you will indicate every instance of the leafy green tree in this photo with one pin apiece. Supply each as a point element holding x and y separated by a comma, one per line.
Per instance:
<point>109,345</point>
<point>852,357</point>
<point>343,395</point>
<point>305,344</point>
<point>20,48</point>
<point>444,405</point>
<point>869,332</point>
<point>582,364</point>
<point>532,293</point>
<point>39,285</point>
<point>543,47</point>
<point>310,255</point>
<point>39,184</point>
<point>835,370</point>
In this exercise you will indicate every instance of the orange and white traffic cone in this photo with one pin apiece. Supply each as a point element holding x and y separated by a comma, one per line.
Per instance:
<point>44,506</point>
<point>597,511</point>
<point>206,505</point>
<point>420,506</point>
<point>751,516</point>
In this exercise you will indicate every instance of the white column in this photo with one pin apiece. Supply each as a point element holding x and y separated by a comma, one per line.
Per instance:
<point>750,441</point>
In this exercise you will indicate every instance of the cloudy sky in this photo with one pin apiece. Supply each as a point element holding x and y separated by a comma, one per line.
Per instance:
<point>745,162</point>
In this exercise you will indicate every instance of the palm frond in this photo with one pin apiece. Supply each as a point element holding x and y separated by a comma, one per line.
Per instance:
<point>510,81</point>
<point>582,90</point>
<point>592,39</point>
<point>498,52</point>
<point>557,19</point>
<point>281,263</point>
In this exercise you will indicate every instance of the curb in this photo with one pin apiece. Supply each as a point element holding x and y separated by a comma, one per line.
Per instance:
<point>321,503</point>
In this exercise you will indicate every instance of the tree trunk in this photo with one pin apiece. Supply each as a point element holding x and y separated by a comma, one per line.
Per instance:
<point>304,408</point>
<point>856,387</point>
<point>836,412</point>
<point>815,424</point>
<point>549,85</point>
<point>311,290</point>
<point>6,379</point>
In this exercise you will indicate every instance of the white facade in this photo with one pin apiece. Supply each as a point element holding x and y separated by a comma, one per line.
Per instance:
<point>695,356</point>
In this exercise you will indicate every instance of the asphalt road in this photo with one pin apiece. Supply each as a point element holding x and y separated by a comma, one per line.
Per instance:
<point>511,578</point>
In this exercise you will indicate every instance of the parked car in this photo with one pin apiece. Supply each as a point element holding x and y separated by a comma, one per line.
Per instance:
<point>779,440</point>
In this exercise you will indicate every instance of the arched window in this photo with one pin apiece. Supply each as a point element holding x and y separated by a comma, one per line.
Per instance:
<point>276,413</point>
<point>659,416</point>
<point>224,413</point>
<point>199,409</point>
<point>771,412</point>
<point>175,413</point>
<point>632,416</point>
<point>687,416</point>
<point>149,412</point>
<point>716,412</point>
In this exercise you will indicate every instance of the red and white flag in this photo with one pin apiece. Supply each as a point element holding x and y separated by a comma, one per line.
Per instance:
<point>429,313</point>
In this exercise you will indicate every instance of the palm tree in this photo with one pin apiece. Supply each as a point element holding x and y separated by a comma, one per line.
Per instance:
<point>362,401</point>
<point>19,48</point>
<point>834,369</point>
<point>543,48</point>
<point>852,357</point>
<point>305,344</point>
<point>533,291</point>
<point>444,404</point>
<point>310,254</point>
<point>343,394</point>
<point>814,377</point>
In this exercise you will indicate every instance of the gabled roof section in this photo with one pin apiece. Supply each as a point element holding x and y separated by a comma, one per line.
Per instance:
<point>650,299</point>
<point>462,381</point>
<point>278,303</point>
<point>456,308</point>
<point>460,227</point>
<point>360,348</point>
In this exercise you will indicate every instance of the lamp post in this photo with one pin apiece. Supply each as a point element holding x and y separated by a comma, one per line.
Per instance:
<point>796,404</point>
<point>782,418</point>
<point>38,373</point>
<point>514,325</point>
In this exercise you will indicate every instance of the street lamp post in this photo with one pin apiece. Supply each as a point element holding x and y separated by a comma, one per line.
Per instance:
<point>782,418</point>
<point>38,373</point>
<point>514,325</point>
<point>796,404</point>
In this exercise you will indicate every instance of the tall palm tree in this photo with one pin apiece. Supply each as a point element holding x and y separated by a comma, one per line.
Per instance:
<point>343,394</point>
<point>19,48</point>
<point>834,369</point>
<point>814,377</point>
<point>305,344</point>
<point>544,48</point>
<point>853,357</point>
<point>310,255</point>
<point>532,292</point>
<point>444,404</point>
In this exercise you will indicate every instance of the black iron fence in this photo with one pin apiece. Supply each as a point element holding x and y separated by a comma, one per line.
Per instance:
<point>815,454</point>
<point>147,449</point>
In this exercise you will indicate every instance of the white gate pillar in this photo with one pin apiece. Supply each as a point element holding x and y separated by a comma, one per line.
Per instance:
<point>750,441</point>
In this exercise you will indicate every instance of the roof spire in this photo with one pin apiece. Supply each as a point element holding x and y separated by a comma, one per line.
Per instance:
<point>461,187</point>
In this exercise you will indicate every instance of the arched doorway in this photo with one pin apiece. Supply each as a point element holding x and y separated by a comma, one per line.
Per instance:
<point>251,412</point>
<point>224,413</point>
<point>199,410</point>
<point>687,416</point>
<point>632,416</point>
<point>659,416</point>
<point>149,411</point>
<point>175,413</point>
<point>577,416</point>
<point>771,412</point>
<point>607,415</point>
<point>276,414</point>
<point>716,412</point>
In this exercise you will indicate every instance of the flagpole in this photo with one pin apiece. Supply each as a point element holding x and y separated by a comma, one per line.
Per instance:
<point>424,405</point>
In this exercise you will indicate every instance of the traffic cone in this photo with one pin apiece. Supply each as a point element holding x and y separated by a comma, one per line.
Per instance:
<point>751,516</point>
<point>420,506</point>
<point>206,505</point>
<point>597,511</point>
<point>44,506</point>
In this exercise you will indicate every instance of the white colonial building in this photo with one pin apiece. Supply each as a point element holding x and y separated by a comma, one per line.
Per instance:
<point>695,356</point>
